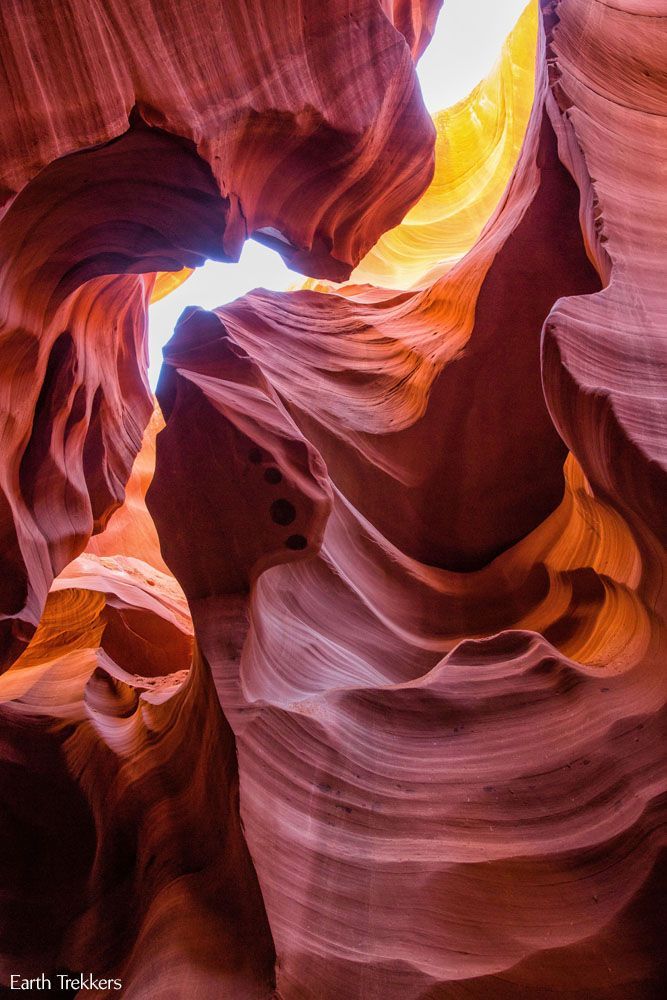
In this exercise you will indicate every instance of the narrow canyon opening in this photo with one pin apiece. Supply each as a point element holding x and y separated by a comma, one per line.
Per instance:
<point>337,671</point>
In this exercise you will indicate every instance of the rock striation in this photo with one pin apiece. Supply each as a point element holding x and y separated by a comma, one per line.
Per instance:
<point>104,788</point>
<point>478,142</point>
<point>360,691</point>
<point>452,696</point>
<point>124,154</point>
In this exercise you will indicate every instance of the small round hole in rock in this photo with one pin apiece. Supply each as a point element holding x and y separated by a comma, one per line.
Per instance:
<point>282,511</point>
<point>296,542</point>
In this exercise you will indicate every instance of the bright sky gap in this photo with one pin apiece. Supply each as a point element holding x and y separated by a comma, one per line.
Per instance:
<point>458,57</point>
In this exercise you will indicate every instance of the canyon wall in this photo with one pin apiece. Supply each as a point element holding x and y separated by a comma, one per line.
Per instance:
<point>342,674</point>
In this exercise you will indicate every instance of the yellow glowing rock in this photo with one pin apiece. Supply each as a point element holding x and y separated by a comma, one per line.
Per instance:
<point>167,282</point>
<point>477,147</point>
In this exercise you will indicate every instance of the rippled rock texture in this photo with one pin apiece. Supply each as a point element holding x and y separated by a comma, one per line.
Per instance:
<point>360,691</point>
<point>146,137</point>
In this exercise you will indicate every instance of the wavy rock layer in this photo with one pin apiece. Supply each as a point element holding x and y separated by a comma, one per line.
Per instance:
<point>417,529</point>
<point>610,119</point>
<point>281,115</point>
<point>477,146</point>
<point>126,154</point>
<point>445,680</point>
<point>131,530</point>
<point>387,386</point>
<point>103,789</point>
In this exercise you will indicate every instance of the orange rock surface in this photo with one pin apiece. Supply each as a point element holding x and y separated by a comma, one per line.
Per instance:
<point>126,153</point>
<point>360,692</point>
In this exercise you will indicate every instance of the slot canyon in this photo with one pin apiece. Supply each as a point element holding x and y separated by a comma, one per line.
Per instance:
<point>334,670</point>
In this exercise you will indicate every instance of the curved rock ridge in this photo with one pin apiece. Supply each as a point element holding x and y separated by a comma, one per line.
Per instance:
<point>385,384</point>
<point>107,854</point>
<point>448,699</point>
<point>605,355</point>
<point>397,748</point>
<point>477,146</point>
<point>264,484</point>
<point>130,531</point>
<point>394,729</point>
<point>288,104</point>
<point>75,397</point>
<point>300,112</point>
<point>416,21</point>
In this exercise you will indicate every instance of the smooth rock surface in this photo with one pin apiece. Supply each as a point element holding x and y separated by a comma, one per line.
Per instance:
<point>146,138</point>
<point>450,715</point>
<point>395,728</point>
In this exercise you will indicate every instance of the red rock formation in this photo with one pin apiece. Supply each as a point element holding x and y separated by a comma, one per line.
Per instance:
<point>609,118</point>
<point>108,858</point>
<point>210,158</point>
<point>282,116</point>
<point>418,531</point>
<point>130,531</point>
<point>448,704</point>
<point>415,21</point>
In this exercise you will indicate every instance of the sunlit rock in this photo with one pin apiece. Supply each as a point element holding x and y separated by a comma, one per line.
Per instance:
<point>358,689</point>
